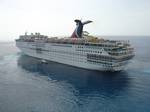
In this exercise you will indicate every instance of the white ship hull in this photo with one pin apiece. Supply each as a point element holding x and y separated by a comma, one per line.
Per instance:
<point>65,54</point>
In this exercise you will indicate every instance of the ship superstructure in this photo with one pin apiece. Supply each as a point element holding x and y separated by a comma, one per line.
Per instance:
<point>80,50</point>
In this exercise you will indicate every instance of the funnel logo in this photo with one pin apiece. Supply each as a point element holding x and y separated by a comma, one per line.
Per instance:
<point>79,28</point>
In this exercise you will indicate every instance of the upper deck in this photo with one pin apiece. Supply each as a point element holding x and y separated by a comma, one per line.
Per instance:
<point>87,40</point>
<point>112,47</point>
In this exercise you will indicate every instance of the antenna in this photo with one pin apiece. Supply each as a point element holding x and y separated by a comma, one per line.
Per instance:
<point>26,32</point>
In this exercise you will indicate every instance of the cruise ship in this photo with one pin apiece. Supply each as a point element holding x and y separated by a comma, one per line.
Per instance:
<point>79,50</point>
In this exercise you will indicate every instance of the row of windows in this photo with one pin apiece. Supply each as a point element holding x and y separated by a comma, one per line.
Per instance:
<point>108,59</point>
<point>80,57</point>
<point>63,45</point>
<point>90,47</point>
<point>73,59</point>
<point>105,64</point>
<point>80,50</point>
<point>100,63</point>
<point>39,50</point>
<point>89,51</point>
<point>95,56</point>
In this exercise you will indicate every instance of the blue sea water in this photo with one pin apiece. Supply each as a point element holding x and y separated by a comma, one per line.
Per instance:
<point>27,85</point>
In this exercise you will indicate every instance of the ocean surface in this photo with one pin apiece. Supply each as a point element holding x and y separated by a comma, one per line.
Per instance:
<point>27,85</point>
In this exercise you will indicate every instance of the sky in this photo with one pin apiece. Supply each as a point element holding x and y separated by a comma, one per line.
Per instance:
<point>56,17</point>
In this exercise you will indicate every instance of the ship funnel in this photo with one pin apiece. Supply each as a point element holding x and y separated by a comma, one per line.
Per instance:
<point>79,28</point>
